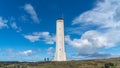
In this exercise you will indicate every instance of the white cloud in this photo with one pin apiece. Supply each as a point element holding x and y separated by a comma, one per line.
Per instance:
<point>49,39</point>
<point>106,15</point>
<point>32,38</point>
<point>44,36</point>
<point>14,26</point>
<point>102,15</point>
<point>30,10</point>
<point>3,23</point>
<point>27,52</point>
<point>93,40</point>
<point>89,43</point>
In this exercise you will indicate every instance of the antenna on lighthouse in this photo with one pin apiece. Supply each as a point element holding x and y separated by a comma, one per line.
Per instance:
<point>62,16</point>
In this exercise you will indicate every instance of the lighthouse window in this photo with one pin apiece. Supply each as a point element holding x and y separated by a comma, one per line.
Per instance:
<point>60,49</point>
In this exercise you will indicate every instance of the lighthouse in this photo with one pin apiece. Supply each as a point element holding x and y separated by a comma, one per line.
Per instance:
<point>60,54</point>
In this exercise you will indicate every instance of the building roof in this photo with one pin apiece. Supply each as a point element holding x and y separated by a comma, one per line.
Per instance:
<point>60,19</point>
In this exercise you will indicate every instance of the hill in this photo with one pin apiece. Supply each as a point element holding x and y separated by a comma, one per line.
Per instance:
<point>103,63</point>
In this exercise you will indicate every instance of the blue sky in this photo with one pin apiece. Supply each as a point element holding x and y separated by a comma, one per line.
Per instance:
<point>28,29</point>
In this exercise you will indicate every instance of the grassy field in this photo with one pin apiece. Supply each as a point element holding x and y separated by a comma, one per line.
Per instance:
<point>107,63</point>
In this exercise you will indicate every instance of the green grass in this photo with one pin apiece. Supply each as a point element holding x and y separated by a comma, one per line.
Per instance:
<point>68,64</point>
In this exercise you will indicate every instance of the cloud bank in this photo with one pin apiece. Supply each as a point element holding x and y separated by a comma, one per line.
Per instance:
<point>106,15</point>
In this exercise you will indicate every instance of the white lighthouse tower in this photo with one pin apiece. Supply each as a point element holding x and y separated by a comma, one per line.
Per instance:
<point>60,54</point>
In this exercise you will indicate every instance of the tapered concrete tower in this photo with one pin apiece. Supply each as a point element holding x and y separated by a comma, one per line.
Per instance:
<point>60,54</point>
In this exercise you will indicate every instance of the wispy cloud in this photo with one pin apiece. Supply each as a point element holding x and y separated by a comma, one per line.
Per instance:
<point>102,15</point>
<point>14,26</point>
<point>25,55</point>
<point>44,36</point>
<point>31,11</point>
<point>3,23</point>
<point>27,52</point>
<point>106,35</point>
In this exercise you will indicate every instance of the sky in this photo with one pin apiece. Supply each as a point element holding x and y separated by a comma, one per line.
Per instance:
<point>28,29</point>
